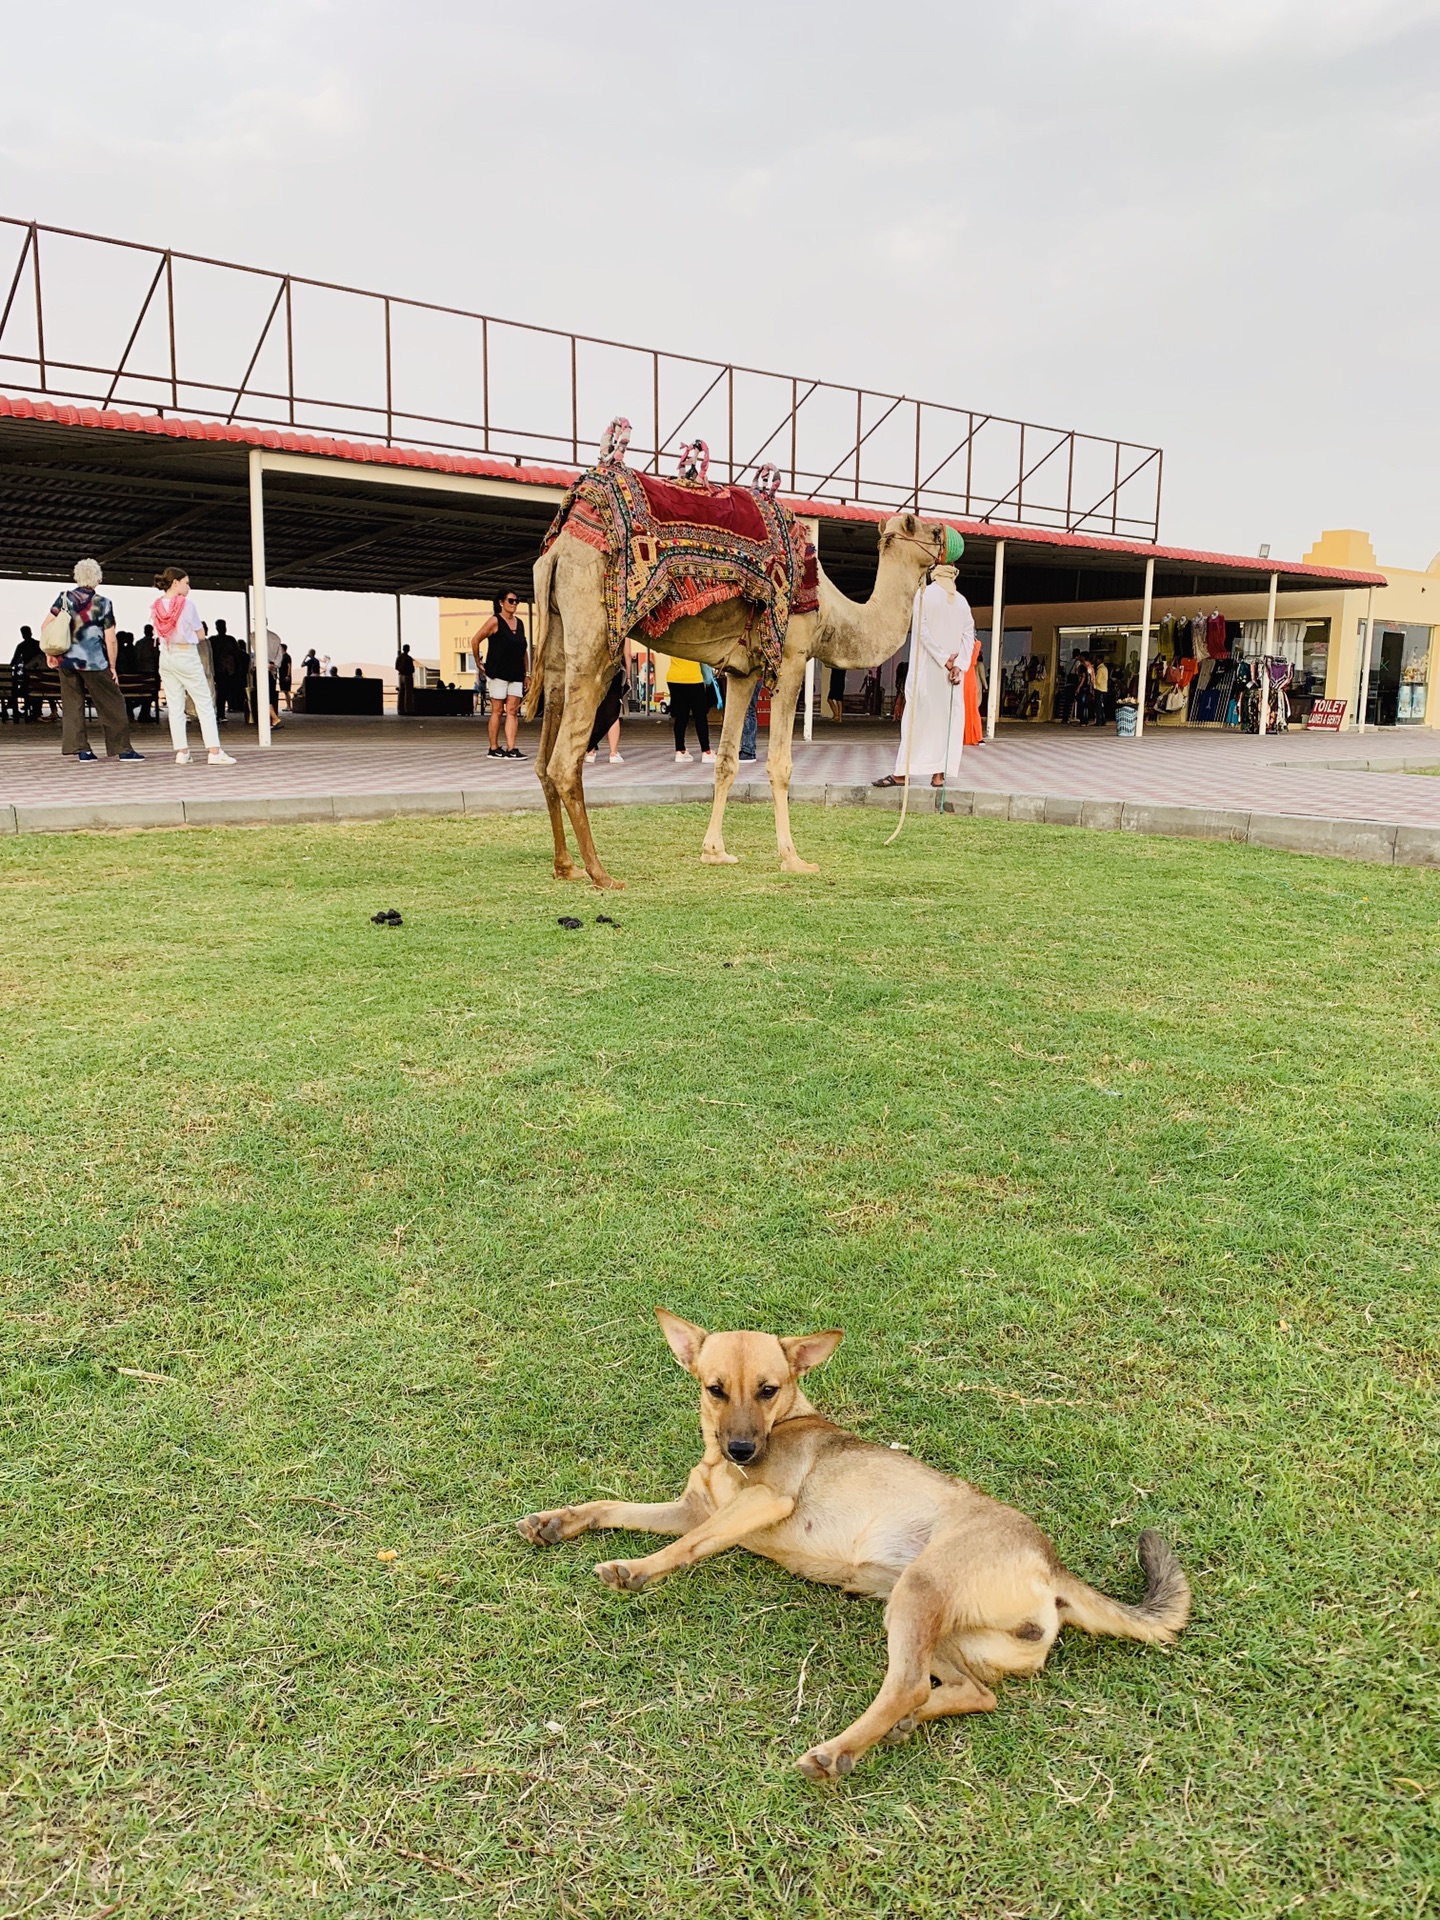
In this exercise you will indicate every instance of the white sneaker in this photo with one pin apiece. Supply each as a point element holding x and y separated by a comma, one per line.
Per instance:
<point>707,757</point>
<point>682,758</point>
<point>182,758</point>
<point>617,759</point>
<point>590,758</point>
<point>219,758</point>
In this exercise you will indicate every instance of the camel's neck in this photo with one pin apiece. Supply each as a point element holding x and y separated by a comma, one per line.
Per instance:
<point>852,635</point>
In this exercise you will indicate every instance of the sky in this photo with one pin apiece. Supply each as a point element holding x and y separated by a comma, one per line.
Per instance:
<point>1199,224</point>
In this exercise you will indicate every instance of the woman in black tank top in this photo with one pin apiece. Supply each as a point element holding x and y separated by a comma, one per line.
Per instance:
<point>504,635</point>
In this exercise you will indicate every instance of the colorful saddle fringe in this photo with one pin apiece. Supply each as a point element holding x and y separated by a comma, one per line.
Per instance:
<point>676,547</point>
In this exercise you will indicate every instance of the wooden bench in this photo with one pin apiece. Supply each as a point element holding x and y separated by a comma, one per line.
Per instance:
<point>43,683</point>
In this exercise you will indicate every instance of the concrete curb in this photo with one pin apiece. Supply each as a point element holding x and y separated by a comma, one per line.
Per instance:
<point>1378,842</point>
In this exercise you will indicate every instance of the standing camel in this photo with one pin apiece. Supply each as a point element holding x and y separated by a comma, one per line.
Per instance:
<point>574,667</point>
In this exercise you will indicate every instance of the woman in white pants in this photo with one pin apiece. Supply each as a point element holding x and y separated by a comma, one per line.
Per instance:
<point>179,629</point>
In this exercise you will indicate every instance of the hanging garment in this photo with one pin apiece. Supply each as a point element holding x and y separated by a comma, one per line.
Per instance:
<point>1215,635</point>
<point>1199,634</point>
<point>1288,642</point>
<point>941,625</point>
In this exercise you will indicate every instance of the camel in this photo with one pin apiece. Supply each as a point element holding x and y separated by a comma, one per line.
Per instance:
<point>572,664</point>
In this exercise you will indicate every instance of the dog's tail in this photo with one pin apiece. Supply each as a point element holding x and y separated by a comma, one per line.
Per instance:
<point>1158,1617</point>
<point>544,575</point>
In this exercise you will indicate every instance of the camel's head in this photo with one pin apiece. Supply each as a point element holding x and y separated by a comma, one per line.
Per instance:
<point>907,536</point>
<point>748,1381</point>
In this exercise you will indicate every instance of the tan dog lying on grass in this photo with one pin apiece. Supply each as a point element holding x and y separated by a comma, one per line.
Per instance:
<point>973,1590</point>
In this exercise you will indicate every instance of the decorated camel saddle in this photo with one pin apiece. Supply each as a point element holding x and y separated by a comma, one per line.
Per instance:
<point>677,546</point>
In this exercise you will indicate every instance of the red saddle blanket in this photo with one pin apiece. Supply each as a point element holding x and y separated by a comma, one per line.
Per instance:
<point>676,547</point>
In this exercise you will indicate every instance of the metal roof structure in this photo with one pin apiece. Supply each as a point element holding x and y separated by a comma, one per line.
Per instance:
<point>139,492</point>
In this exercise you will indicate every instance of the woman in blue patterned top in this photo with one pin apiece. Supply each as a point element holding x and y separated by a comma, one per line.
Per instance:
<point>87,671</point>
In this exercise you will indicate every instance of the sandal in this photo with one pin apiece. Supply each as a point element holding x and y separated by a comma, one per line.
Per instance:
<point>890,780</point>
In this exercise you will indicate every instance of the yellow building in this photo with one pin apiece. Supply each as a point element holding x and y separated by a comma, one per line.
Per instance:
<point>1324,632</point>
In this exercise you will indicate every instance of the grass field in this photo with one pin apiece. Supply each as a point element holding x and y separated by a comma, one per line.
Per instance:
<point>1117,1159</point>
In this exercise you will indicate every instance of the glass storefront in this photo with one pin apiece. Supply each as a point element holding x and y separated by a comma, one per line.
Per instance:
<point>1399,674</point>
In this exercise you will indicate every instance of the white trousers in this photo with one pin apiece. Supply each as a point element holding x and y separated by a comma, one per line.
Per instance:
<point>182,673</point>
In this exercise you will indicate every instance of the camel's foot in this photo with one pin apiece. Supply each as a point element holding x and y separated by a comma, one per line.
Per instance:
<point>792,863</point>
<point>601,878</point>
<point>900,1732</point>
<point>718,857</point>
<point>567,870</point>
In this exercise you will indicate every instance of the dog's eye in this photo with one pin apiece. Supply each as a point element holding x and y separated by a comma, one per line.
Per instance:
<point>715,1390</point>
<point>766,1392</point>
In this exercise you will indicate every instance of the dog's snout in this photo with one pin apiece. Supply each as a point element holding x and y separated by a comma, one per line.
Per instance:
<point>741,1450</point>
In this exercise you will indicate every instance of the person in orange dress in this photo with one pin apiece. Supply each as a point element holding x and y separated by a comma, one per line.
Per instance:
<point>974,726</point>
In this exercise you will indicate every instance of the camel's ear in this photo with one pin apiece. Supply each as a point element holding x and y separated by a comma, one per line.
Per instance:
<point>910,523</point>
<point>684,1337</point>
<point>811,1349</point>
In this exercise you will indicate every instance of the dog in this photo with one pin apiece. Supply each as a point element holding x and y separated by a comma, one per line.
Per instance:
<point>973,1590</point>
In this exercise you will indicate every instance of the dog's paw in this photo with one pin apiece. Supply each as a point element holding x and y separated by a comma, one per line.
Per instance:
<point>821,1764</point>
<point>544,1529</point>
<point>900,1732</point>
<point>622,1576</point>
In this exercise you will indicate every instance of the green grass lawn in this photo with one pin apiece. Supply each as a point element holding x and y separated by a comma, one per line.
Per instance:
<point>1117,1159</point>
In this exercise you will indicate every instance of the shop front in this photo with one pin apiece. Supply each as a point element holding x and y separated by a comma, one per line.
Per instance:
<point>1399,681</point>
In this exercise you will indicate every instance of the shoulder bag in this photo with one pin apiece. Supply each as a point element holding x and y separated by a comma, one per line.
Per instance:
<point>56,635</point>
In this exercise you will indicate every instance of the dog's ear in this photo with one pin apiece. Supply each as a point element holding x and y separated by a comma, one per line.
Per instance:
<point>685,1338</point>
<point>811,1349</point>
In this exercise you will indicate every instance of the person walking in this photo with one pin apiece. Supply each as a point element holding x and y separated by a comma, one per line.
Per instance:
<point>180,631</point>
<point>1100,672</point>
<point>87,668</point>
<point>504,636</point>
<point>837,694</point>
<point>273,645</point>
<point>750,725</point>
<point>689,701</point>
<point>607,715</point>
<point>285,675</point>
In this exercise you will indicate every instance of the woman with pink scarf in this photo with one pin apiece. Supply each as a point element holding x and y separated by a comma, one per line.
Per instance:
<point>179,629</point>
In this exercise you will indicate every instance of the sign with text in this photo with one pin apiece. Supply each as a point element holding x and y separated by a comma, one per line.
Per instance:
<point>1326,716</point>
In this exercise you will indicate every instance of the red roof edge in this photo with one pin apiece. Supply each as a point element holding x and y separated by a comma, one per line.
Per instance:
<point>479,466</point>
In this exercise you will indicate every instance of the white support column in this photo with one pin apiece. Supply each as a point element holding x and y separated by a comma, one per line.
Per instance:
<point>1144,645</point>
<point>1365,657</point>
<point>1269,655</point>
<point>260,646</point>
<point>997,642</point>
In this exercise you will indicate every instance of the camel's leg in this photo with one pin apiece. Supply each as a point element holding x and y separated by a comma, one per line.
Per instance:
<point>565,867</point>
<point>727,763</point>
<point>588,672</point>
<point>778,759</point>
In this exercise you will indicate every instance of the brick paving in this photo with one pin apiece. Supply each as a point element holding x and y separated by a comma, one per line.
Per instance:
<point>347,766</point>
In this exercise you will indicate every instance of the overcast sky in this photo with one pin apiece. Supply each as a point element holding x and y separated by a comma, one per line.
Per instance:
<point>1205,224</point>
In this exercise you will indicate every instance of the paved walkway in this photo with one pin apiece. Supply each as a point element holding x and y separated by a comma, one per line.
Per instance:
<point>1343,793</point>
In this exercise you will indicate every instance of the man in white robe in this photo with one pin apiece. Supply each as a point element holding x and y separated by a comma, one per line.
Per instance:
<point>932,732</point>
